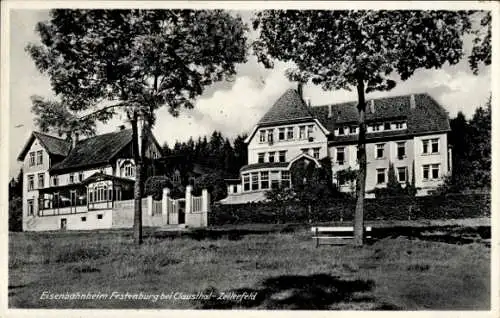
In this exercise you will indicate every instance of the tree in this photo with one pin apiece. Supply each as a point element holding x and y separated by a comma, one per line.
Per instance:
<point>361,50</point>
<point>481,50</point>
<point>101,62</point>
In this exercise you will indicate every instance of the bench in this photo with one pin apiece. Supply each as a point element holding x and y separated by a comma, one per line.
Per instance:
<point>336,235</point>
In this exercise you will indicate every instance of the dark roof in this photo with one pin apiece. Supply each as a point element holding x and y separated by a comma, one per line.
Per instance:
<point>427,116</point>
<point>288,107</point>
<point>53,145</point>
<point>264,165</point>
<point>95,150</point>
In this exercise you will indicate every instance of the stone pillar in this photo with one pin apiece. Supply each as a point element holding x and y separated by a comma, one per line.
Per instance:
<point>149,204</point>
<point>164,201</point>
<point>189,203</point>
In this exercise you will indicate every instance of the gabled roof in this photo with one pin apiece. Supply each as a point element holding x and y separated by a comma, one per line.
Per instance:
<point>53,145</point>
<point>95,150</point>
<point>289,107</point>
<point>426,117</point>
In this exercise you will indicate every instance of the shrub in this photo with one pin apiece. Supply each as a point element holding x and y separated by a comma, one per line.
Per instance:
<point>386,208</point>
<point>154,186</point>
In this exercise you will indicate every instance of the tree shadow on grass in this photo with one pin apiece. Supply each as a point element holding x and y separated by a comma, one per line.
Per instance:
<point>216,234</point>
<point>319,291</point>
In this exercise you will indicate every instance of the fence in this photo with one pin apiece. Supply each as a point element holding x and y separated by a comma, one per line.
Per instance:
<point>191,210</point>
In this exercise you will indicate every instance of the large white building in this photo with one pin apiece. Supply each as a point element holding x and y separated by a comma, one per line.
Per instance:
<point>408,131</point>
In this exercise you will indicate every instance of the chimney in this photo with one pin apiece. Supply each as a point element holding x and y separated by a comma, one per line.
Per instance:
<point>72,137</point>
<point>412,101</point>
<point>330,112</point>
<point>372,106</point>
<point>300,89</point>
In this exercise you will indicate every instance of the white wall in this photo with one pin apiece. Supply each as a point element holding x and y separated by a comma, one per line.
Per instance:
<point>73,221</point>
<point>421,159</point>
<point>293,147</point>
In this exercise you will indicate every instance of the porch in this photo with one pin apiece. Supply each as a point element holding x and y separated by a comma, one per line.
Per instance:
<point>97,192</point>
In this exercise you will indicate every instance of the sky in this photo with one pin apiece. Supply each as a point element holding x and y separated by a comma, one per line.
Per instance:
<point>230,107</point>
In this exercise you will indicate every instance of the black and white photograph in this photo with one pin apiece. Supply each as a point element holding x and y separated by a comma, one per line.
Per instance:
<point>270,156</point>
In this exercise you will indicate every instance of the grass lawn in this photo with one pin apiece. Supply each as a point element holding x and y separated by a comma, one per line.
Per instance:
<point>276,267</point>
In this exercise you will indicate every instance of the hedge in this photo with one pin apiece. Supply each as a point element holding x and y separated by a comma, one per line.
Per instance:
<point>450,206</point>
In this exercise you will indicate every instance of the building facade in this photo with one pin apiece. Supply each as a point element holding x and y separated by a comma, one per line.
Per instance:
<point>409,132</point>
<point>74,184</point>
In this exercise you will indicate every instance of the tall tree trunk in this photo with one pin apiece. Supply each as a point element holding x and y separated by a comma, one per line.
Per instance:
<point>137,183</point>
<point>361,180</point>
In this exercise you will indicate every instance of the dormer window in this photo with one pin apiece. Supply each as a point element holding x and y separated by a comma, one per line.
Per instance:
<point>375,127</point>
<point>352,130</point>
<point>387,126</point>
<point>341,130</point>
<point>400,125</point>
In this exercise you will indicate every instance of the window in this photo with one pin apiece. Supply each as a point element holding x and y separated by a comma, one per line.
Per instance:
<point>375,127</point>
<point>310,129</point>
<point>99,216</point>
<point>357,154</point>
<point>281,134</point>
<point>352,130</point>
<point>84,218</point>
<point>31,182</point>
<point>31,208</point>
<point>80,176</point>
<point>71,178</point>
<point>302,132</point>
<point>41,180</point>
<point>285,179</point>
<point>128,169</point>
<point>380,151</point>
<point>39,157</point>
<point>246,182</point>
<point>435,171</point>
<point>340,155</point>
<point>425,172</point>
<point>305,150</point>
<point>401,150</point>
<point>271,156</point>
<point>261,157</point>
<point>282,156</point>
<point>275,179</point>
<point>380,176</point>
<point>399,125</point>
<point>289,133</point>
<point>264,180</point>
<point>435,145</point>
<point>402,174</point>
<point>235,189</point>
<point>387,126</point>
<point>316,153</point>
<point>425,146</point>
<point>32,159</point>
<point>255,181</point>
<point>100,193</point>
<point>341,130</point>
<point>270,134</point>
<point>262,137</point>
<point>55,181</point>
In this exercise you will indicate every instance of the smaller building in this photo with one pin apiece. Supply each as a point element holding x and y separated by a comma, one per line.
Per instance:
<point>73,184</point>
